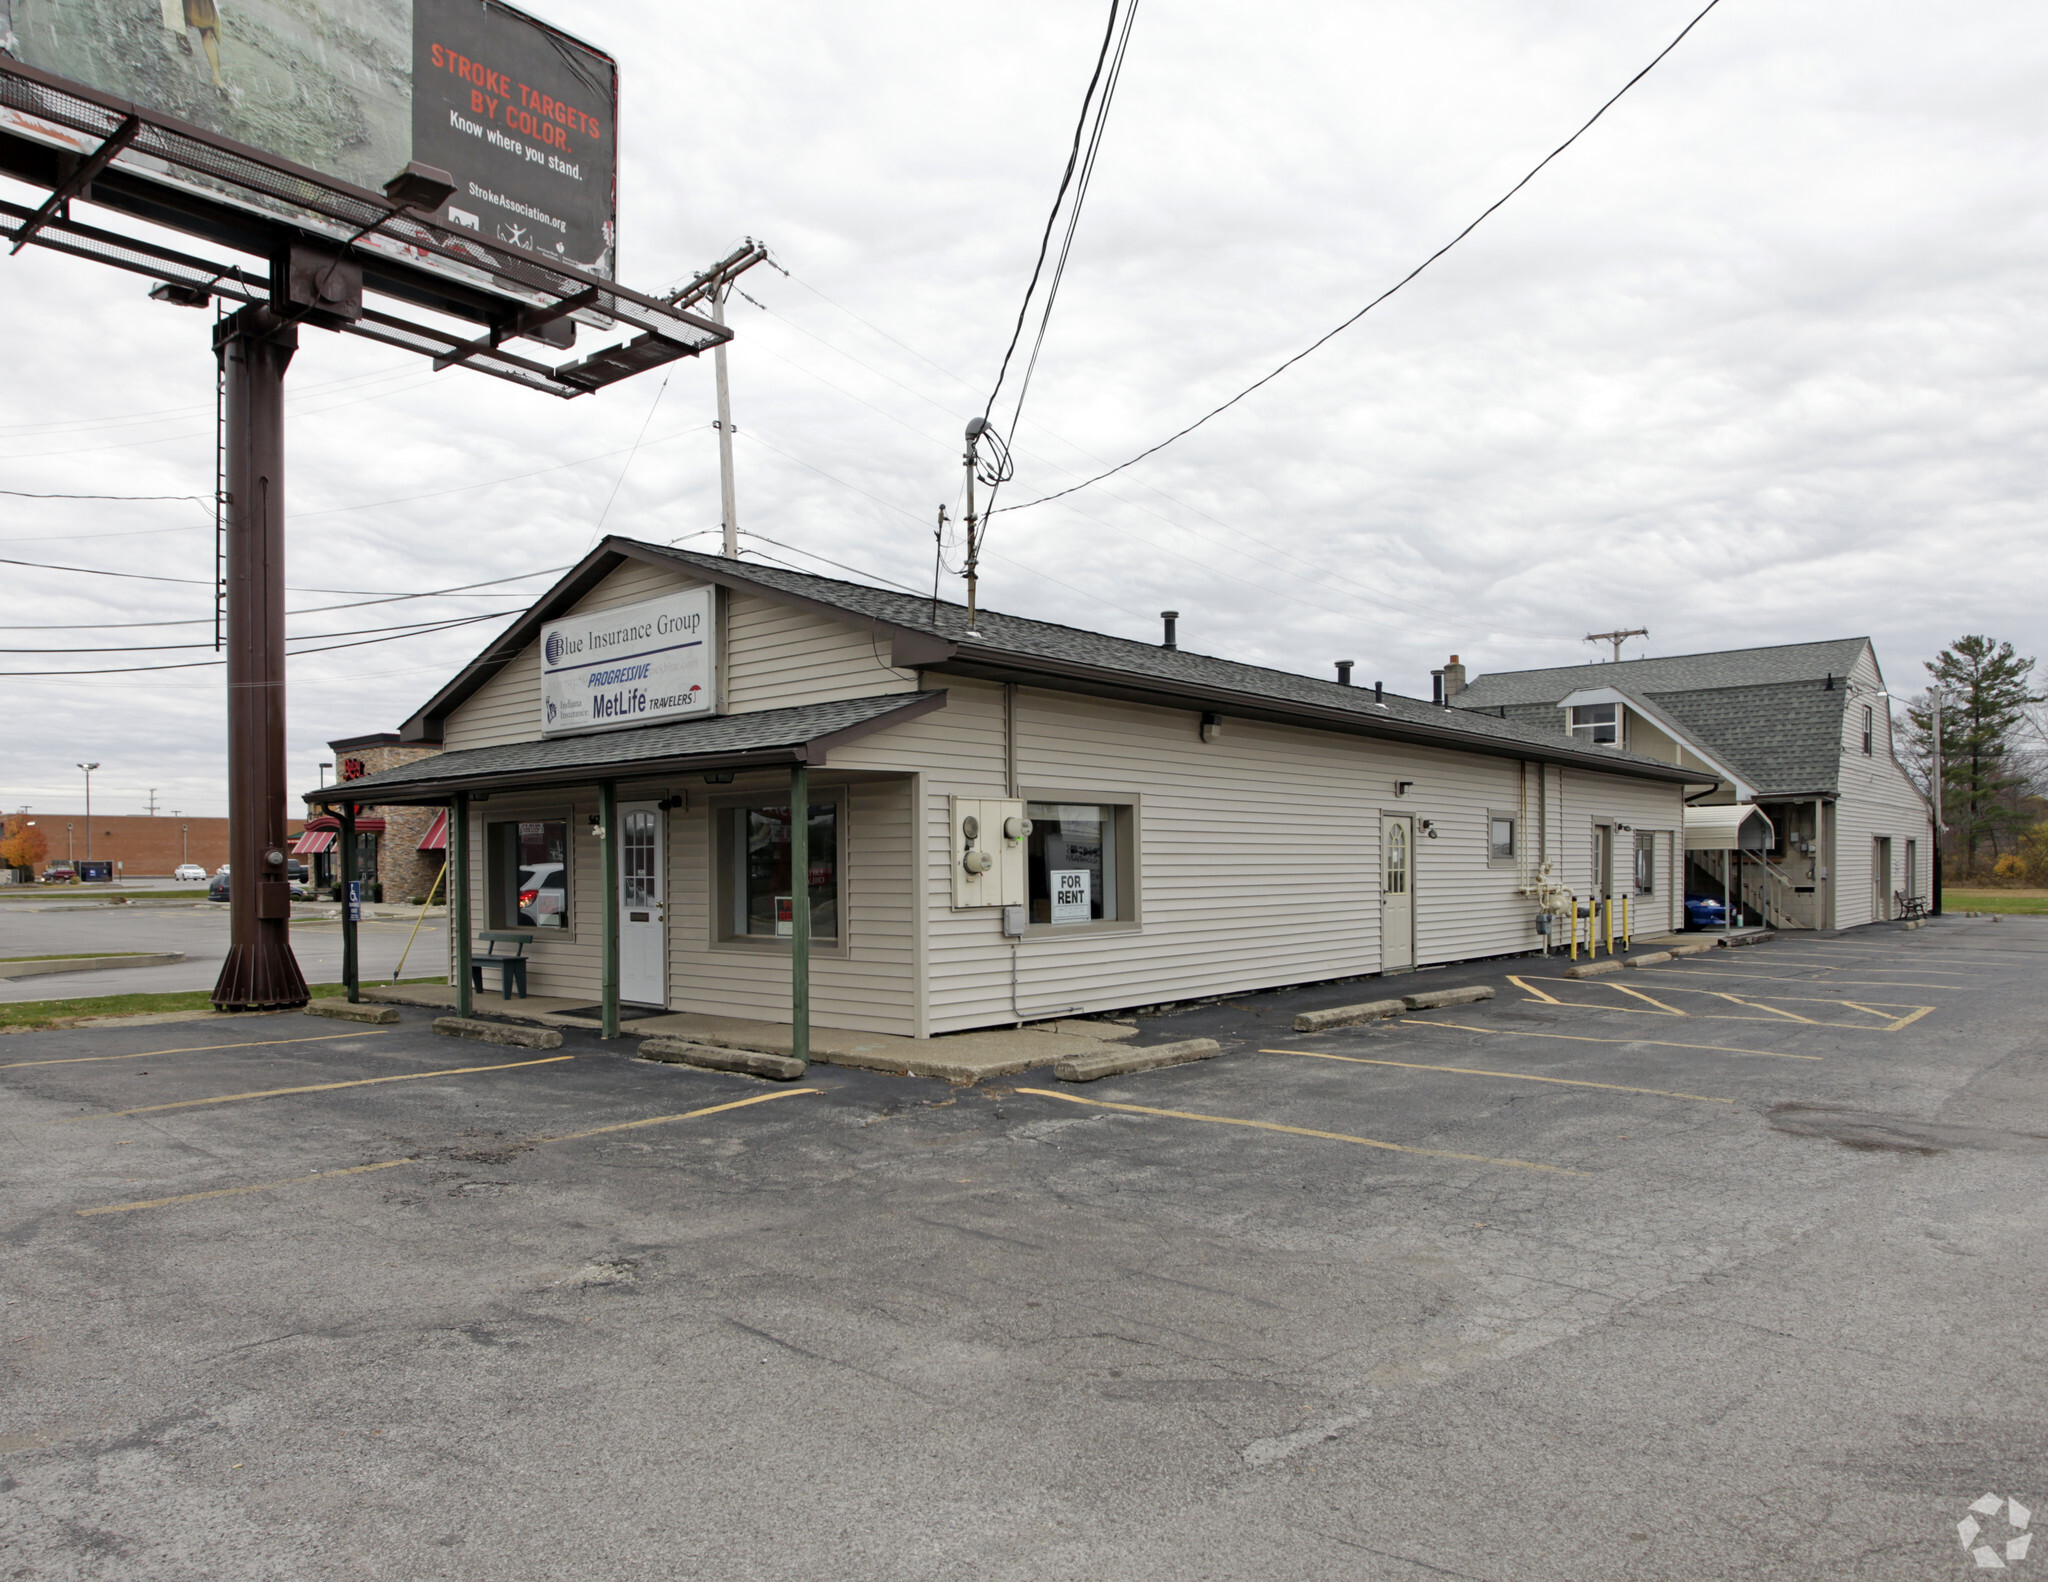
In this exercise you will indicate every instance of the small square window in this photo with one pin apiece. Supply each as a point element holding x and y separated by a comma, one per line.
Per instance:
<point>1597,722</point>
<point>1501,839</point>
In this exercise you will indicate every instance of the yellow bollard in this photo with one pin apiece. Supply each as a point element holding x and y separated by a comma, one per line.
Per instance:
<point>1607,921</point>
<point>1575,928</point>
<point>1628,940</point>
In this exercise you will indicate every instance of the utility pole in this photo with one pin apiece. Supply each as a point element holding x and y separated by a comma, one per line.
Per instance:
<point>88,768</point>
<point>1617,638</point>
<point>152,801</point>
<point>976,427</point>
<point>714,285</point>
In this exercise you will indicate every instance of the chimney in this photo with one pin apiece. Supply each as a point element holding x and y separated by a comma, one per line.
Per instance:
<point>1344,672</point>
<point>1169,617</point>
<point>1454,679</point>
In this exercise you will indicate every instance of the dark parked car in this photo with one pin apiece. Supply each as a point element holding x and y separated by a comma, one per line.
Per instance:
<point>58,874</point>
<point>1705,911</point>
<point>218,889</point>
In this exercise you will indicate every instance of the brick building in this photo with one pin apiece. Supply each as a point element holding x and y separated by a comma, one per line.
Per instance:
<point>142,846</point>
<point>400,850</point>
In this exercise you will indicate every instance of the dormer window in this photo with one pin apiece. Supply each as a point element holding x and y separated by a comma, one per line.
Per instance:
<point>1597,722</point>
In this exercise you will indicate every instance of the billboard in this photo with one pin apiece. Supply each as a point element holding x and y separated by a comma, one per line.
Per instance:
<point>651,663</point>
<point>522,116</point>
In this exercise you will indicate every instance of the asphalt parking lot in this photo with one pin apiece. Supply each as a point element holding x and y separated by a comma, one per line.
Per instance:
<point>1721,1269</point>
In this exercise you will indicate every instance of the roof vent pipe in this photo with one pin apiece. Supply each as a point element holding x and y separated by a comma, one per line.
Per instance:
<point>1344,672</point>
<point>1169,617</point>
<point>1379,693</point>
<point>1436,688</point>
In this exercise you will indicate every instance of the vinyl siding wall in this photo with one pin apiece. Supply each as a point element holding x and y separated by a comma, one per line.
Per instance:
<point>1876,799</point>
<point>1258,855</point>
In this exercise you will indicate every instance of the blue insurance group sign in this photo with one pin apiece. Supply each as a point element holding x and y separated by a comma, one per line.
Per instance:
<point>637,664</point>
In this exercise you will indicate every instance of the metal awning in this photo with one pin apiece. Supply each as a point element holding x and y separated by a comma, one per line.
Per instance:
<point>1731,826</point>
<point>436,837</point>
<point>763,739</point>
<point>313,842</point>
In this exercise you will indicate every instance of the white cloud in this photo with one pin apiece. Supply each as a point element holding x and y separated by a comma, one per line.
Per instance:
<point>1758,361</point>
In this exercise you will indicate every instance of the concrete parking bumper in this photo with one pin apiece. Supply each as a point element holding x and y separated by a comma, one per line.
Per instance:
<point>498,1032</point>
<point>1122,1062</point>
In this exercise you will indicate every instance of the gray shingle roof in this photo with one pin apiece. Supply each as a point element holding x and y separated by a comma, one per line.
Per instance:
<point>647,748</point>
<point>1768,713</point>
<point>1010,638</point>
<point>1735,667</point>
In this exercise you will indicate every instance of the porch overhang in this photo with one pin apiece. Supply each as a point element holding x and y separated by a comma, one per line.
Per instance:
<point>765,739</point>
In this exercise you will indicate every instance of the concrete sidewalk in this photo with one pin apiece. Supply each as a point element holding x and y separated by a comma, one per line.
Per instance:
<point>951,1057</point>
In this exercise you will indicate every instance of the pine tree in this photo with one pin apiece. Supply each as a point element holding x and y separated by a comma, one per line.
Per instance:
<point>1983,686</point>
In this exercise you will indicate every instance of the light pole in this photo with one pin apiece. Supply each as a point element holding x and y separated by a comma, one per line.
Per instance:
<point>1934,785</point>
<point>88,768</point>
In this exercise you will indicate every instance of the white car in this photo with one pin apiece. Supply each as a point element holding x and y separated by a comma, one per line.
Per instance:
<point>189,870</point>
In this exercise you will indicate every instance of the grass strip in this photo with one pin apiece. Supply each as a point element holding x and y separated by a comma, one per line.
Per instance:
<point>28,1016</point>
<point>2012,903</point>
<point>83,955</point>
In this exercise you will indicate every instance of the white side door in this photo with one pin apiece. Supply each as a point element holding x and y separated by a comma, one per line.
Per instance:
<point>643,936</point>
<point>1397,892</point>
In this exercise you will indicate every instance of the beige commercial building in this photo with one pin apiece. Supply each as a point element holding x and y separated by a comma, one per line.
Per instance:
<point>1006,823</point>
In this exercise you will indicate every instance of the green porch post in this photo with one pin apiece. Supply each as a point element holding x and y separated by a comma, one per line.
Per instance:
<point>458,898</point>
<point>351,971</point>
<point>800,911</point>
<point>607,849</point>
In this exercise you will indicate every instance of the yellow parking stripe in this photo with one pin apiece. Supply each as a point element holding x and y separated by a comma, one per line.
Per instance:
<point>1581,1038</point>
<point>390,1164</point>
<point>1301,1131</point>
<point>1736,999</point>
<point>1525,984</point>
<point>312,1087</point>
<point>1671,1010</point>
<point>1512,1076</point>
<point>686,1115</point>
<point>193,1049</point>
<point>260,1186</point>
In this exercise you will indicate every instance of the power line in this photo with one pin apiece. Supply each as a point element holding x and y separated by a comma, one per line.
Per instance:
<point>206,664</point>
<point>1396,286</point>
<point>23,494</point>
<point>375,596</point>
<point>1060,197</point>
<point>304,637</point>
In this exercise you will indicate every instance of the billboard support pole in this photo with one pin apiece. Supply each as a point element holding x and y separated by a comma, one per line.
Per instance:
<point>255,345</point>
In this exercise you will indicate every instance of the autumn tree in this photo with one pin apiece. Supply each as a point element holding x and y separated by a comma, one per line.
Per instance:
<point>21,842</point>
<point>1984,690</point>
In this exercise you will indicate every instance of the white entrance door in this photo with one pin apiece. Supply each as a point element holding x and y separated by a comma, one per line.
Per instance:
<point>1397,893</point>
<point>643,937</point>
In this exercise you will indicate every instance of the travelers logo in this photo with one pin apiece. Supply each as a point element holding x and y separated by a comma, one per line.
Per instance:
<point>1988,1555</point>
<point>554,648</point>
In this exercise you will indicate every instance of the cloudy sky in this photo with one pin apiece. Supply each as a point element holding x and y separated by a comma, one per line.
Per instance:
<point>1760,360</point>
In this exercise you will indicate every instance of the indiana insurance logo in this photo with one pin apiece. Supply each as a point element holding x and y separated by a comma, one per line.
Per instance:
<point>1992,1540</point>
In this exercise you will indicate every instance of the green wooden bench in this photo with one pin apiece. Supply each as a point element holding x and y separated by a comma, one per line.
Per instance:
<point>510,965</point>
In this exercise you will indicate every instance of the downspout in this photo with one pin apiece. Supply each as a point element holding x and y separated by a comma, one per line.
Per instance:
<point>800,911</point>
<point>458,898</point>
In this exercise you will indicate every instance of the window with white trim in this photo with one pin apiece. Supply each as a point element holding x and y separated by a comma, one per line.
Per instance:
<point>1869,728</point>
<point>1597,722</point>
<point>1500,837</point>
<point>756,888</point>
<point>1646,863</point>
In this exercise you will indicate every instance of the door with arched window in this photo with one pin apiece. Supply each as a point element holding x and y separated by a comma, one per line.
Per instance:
<point>1397,892</point>
<point>643,935</point>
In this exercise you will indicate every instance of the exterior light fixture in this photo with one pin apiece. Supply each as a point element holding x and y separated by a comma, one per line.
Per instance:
<point>1212,727</point>
<point>718,777</point>
<point>420,187</point>
<point>1401,787</point>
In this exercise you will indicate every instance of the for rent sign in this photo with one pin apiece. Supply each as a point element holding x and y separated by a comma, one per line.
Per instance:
<point>640,664</point>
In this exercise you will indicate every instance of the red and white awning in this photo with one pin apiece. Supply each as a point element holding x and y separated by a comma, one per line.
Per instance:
<point>436,837</point>
<point>313,842</point>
